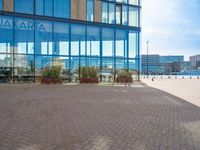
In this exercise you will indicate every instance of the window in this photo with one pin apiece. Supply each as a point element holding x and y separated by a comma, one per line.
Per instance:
<point>134,2</point>
<point>62,8</point>
<point>1,4</point>
<point>44,7</point>
<point>61,39</point>
<point>118,14</point>
<point>133,16</point>
<point>125,15</point>
<point>104,12</point>
<point>24,6</point>
<point>93,41</point>
<point>90,10</point>
<point>108,42</point>
<point>133,44</point>
<point>6,35</point>
<point>78,40</point>
<point>24,36</point>
<point>43,37</point>
<point>121,1</point>
<point>112,13</point>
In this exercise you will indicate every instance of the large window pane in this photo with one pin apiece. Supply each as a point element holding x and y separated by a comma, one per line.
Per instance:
<point>121,43</point>
<point>24,36</point>
<point>108,42</point>
<point>24,66</point>
<point>78,40</point>
<point>48,7</point>
<point>41,62</point>
<point>125,15</point>
<point>24,6</point>
<point>134,2</point>
<point>90,10</point>
<point>133,16</point>
<point>39,7</point>
<point>6,65</point>
<point>112,13</point>
<point>104,12</point>
<point>93,41</point>
<point>62,8</point>
<point>43,37</point>
<point>61,39</point>
<point>118,14</point>
<point>6,35</point>
<point>121,1</point>
<point>133,44</point>
<point>1,4</point>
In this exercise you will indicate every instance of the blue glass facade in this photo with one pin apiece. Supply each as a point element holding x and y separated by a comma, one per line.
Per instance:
<point>32,39</point>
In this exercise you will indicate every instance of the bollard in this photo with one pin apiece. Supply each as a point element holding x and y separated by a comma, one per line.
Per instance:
<point>152,79</point>
<point>198,77</point>
<point>183,77</point>
<point>190,77</point>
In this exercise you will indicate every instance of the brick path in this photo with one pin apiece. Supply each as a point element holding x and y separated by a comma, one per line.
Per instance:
<point>89,117</point>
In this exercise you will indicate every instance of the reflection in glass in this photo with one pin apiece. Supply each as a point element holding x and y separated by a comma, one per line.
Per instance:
<point>24,6</point>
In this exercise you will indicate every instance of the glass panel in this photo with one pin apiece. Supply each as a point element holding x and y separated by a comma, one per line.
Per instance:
<point>134,68</point>
<point>104,12</point>
<point>39,7</point>
<point>121,43</point>
<point>112,13</point>
<point>124,15</point>
<point>118,14</point>
<point>120,64</point>
<point>93,41</point>
<point>41,62</point>
<point>48,7</point>
<point>108,42</point>
<point>134,2</point>
<point>90,10</point>
<point>121,1</point>
<point>62,8</point>
<point>133,44</point>
<point>75,68</point>
<point>43,37</point>
<point>61,39</point>
<point>24,6</point>
<point>24,67</point>
<point>6,65</point>
<point>133,16</point>
<point>1,4</point>
<point>78,44</point>
<point>6,35</point>
<point>24,36</point>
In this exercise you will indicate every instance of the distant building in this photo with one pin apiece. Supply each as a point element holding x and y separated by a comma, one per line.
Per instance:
<point>171,59</point>
<point>164,64</point>
<point>150,64</point>
<point>195,62</point>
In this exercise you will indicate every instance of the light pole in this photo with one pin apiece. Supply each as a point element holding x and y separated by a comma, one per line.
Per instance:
<point>148,59</point>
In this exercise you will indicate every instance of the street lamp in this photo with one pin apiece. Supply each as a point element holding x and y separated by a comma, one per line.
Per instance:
<point>147,59</point>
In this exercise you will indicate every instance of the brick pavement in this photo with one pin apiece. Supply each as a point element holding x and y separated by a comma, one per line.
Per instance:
<point>90,117</point>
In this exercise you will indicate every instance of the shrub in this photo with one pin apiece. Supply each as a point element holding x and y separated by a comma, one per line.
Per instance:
<point>51,75</point>
<point>51,72</point>
<point>89,72</point>
<point>89,75</point>
<point>124,77</point>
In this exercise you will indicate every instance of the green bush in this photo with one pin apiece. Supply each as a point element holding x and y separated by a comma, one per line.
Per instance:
<point>51,72</point>
<point>124,74</point>
<point>89,72</point>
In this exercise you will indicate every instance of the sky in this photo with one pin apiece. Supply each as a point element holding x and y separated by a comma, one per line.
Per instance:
<point>172,27</point>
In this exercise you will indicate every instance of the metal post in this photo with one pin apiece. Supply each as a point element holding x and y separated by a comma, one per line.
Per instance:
<point>147,59</point>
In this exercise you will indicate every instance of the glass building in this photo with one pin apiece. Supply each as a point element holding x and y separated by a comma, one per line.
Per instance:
<point>35,34</point>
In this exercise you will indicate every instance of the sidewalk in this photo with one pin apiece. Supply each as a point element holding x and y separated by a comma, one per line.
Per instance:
<point>187,89</point>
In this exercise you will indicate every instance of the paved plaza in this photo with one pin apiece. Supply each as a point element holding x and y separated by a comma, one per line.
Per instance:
<point>187,89</point>
<point>95,117</point>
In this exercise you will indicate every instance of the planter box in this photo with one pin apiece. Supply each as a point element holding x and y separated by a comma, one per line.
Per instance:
<point>89,80</point>
<point>51,81</point>
<point>124,80</point>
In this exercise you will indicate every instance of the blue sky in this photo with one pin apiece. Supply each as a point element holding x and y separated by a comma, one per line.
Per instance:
<point>172,27</point>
